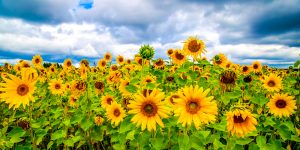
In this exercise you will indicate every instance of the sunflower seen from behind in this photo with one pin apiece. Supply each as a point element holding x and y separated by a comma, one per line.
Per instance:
<point>16,91</point>
<point>272,83</point>
<point>193,47</point>
<point>240,122</point>
<point>115,113</point>
<point>148,109</point>
<point>282,105</point>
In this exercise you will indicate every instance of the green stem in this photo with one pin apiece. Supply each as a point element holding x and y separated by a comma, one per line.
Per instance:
<point>31,131</point>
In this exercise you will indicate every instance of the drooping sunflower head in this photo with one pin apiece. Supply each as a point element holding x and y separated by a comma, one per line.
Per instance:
<point>115,113</point>
<point>159,64</point>
<point>272,83</point>
<point>240,122</point>
<point>282,105</point>
<point>256,66</point>
<point>37,60</point>
<point>107,100</point>
<point>228,79</point>
<point>178,57</point>
<point>107,57</point>
<point>148,109</point>
<point>56,86</point>
<point>194,47</point>
<point>194,106</point>
<point>120,60</point>
<point>16,91</point>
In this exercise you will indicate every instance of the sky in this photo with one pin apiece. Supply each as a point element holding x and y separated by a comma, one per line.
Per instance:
<point>245,31</point>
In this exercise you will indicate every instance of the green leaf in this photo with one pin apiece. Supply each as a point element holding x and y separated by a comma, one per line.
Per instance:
<point>16,132</point>
<point>290,126</point>
<point>130,135</point>
<point>183,142</point>
<point>259,100</point>
<point>125,126</point>
<point>253,146</point>
<point>150,86</point>
<point>284,132</point>
<point>58,134</point>
<point>86,123</point>
<point>217,144</point>
<point>295,138</point>
<point>16,140</point>
<point>157,142</point>
<point>204,133</point>
<point>261,141</point>
<point>243,141</point>
<point>131,88</point>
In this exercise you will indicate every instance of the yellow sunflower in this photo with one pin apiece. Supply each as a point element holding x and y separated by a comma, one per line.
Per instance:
<point>178,57</point>
<point>193,47</point>
<point>256,66</point>
<point>67,64</point>
<point>120,60</point>
<point>240,122</point>
<point>72,101</point>
<point>52,68</point>
<point>245,70</point>
<point>99,87</point>
<point>193,106</point>
<point>17,67</point>
<point>149,79</point>
<point>272,83</point>
<point>78,87</point>
<point>25,64</point>
<point>115,113</point>
<point>128,61</point>
<point>148,109</point>
<point>101,64</point>
<point>159,64</point>
<point>170,52</point>
<point>282,105</point>
<point>122,88</point>
<point>220,60</point>
<point>107,100</point>
<point>107,57</point>
<point>16,91</point>
<point>56,86</point>
<point>113,68</point>
<point>98,120</point>
<point>37,60</point>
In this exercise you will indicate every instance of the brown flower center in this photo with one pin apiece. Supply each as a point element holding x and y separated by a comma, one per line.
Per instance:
<point>145,91</point>
<point>99,85</point>
<point>148,80</point>
<point>172,98</point>
<point>128,61</point>
<point>109,100</point>
<point>170,78</point>
<point>170,52</point>
<point>245,68</point>
<point>140,61</point>
<point>37,61</point>
<point>255,66</point>
<point>22,89</point>
<point>57,86</point>
<point>228,77</point>
<point>280,103</point>
<point>117,112</point>
<point>238,119</point>
<point>69,64</point>
<point>149,109</point>
<point>52,69</point>
<point>159,62</point>
<point>80,85</point>
<point>248,79</point>
<point>194,46</point>
<point>121,59</point>
<point>107,57</point>
<point>271,83</point>
<point>114,67</point>
<point>179,56</point>
<point>192,106</point>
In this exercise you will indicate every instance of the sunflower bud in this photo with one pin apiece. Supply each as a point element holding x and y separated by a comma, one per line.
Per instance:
<point>147,52</point>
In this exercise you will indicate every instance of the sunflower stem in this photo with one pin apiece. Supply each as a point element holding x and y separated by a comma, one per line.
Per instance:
<point>31,131</point>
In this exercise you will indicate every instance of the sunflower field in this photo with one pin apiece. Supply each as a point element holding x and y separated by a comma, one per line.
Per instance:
<point>184,102</point>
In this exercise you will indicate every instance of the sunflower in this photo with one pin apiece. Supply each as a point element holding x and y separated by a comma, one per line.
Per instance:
<point>67,64</point>
<point>245,70</point>
<point>240,122</point>
<point>193,47</point>
<point>272,83</point>
<point>56,87</point>
<point>228,80</point>
<point>101,64</point>
<point>98,120</point>
<point>148,109</point>
<point>83,72</point>
<point>37,60</point>
<point>178,57</point>
<point>159,64</point>
<point>16,91</point>
<point>115,113</point>
<point>149,79</point>
<point>52,68</point>
<point>128,61</point>
<point>72,101</point>
<point>193,106</point>
<point>220,60</point>
<point>107,57</point>
<point>78,87</point>
<point>122,88</point>
<point>85,63</point>
<point>120,60</point>
<point>25,64</point>
<point>17,67</point>
<point>106,101</point>
<point>282,105</point>
<point>99,87</point>
<point>170,52</point>
<point>113,68</point>
<point>256,66</point>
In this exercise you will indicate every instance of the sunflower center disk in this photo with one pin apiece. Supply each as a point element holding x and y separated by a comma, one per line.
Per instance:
<point>22,89</point>
<point>238,119</point>
<point>117,112</point>
<point>179,56</point>
<point>159,63</point>
<point>57,86</point>
<point>194,46</point>
<point>109,100</point>
<point>255,66</point>
<point>280,103</point>
<point>149,109</point>
<point>271,83</point>
<point>192,107</point>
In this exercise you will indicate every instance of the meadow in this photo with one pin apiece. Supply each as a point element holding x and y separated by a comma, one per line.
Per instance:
<point>185,102</point>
